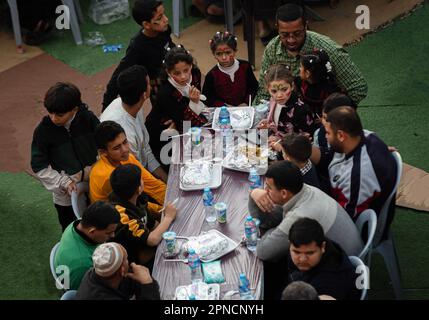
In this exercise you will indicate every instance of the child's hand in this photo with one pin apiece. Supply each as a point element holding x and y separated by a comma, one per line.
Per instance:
<point>194,94</point>
<point>263,124</point>
<point>274,143</point>
<point>170,123</point>
<point>170,211</point>
<point>71,187</point>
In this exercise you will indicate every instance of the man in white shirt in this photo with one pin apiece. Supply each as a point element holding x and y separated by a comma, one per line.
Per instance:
<point>134,89</point>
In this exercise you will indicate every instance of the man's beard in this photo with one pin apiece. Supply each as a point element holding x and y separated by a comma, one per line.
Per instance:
<point>336,146</point>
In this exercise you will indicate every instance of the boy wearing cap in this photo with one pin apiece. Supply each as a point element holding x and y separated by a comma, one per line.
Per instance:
<point>112,278</point>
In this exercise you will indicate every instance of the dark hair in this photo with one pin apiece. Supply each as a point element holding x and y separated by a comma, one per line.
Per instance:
<point>132,83</point>
<point>286,175</point>
<point>100,215</point>
<point>125,180</point>
<point>297,146</point>
<point>346,119</point>
<point>279,72</point>
<point>226,38</point>
<point>175,55</point>
<point>304,231</point>
<point>106,132</point>
<point>319,66</point>
<point>143,10</point>
<point>291,12</point>
<point>300,290</point>
<point>62,97</point>
<point>335,100</point>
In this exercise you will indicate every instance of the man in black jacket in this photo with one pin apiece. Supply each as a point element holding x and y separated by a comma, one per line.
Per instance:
<point>112,278</point>
<point>320,262</point>
<point>146,48</point>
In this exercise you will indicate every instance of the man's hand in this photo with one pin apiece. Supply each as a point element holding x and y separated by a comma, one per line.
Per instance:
<point>262,200</point>
<point>194,94</point>
<point>139,273</point>
<point>71,187</point>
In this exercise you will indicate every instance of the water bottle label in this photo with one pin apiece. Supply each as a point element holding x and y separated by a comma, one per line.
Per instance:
<point>207,199</point>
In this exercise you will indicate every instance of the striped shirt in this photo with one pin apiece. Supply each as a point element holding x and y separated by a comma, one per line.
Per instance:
<point>347,74</point>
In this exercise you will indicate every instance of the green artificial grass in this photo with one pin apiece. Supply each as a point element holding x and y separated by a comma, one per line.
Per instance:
<point>394,61</point>
<point>91,60</point>
<point>397,109</point>
<point>30,229</point>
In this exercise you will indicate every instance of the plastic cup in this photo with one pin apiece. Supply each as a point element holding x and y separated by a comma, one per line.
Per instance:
<point>170,240</point>
<point>220,209</point>
<point>196,135</point>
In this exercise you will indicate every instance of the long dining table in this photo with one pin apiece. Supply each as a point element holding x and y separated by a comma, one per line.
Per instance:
<point>190,221</point>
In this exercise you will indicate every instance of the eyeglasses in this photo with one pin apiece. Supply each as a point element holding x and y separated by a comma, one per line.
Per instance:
<point>294,35</point>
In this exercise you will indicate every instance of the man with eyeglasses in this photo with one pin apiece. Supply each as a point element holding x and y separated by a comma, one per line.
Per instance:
<point>295,40</point>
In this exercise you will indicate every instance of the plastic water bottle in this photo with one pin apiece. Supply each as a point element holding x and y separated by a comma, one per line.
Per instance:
<point>255,179</point>
<point>251,233</point>
<point>244,288</point>
<point>227,135</point>
<point>224,114</point>
<point>208,206</point>
<point>194,264</point>
<point>261,111</point>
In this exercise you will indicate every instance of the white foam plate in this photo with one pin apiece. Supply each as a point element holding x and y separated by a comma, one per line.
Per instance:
<point>226,163</point>
<point>250,110</point>
<point>193,242</point>
<point>211,291</point>
<point>216,180</point>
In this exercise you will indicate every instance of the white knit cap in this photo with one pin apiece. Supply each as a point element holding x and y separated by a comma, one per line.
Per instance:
<point>107,259</point>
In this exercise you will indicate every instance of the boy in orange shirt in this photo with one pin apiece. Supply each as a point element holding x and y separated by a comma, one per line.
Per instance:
<point>114,150</point>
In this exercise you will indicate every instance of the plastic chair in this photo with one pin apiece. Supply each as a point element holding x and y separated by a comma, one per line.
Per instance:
<point>356,263</point>
<point>69,295</point>
<point>79,199</point>
<point>386,246</point>
<point>75,13</point>
<point>52,264</point>
<point>179,10</point>
<point>367,217</point>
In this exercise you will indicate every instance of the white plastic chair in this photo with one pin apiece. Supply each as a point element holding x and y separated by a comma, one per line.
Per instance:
<point>79,198</point>
<point>386,247</point>
<point>356,262</point>
<point>52,264</point>
<point>369,218</point>
<point>75,14</point>
<point>69,295</point>
<point>179,10</point>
